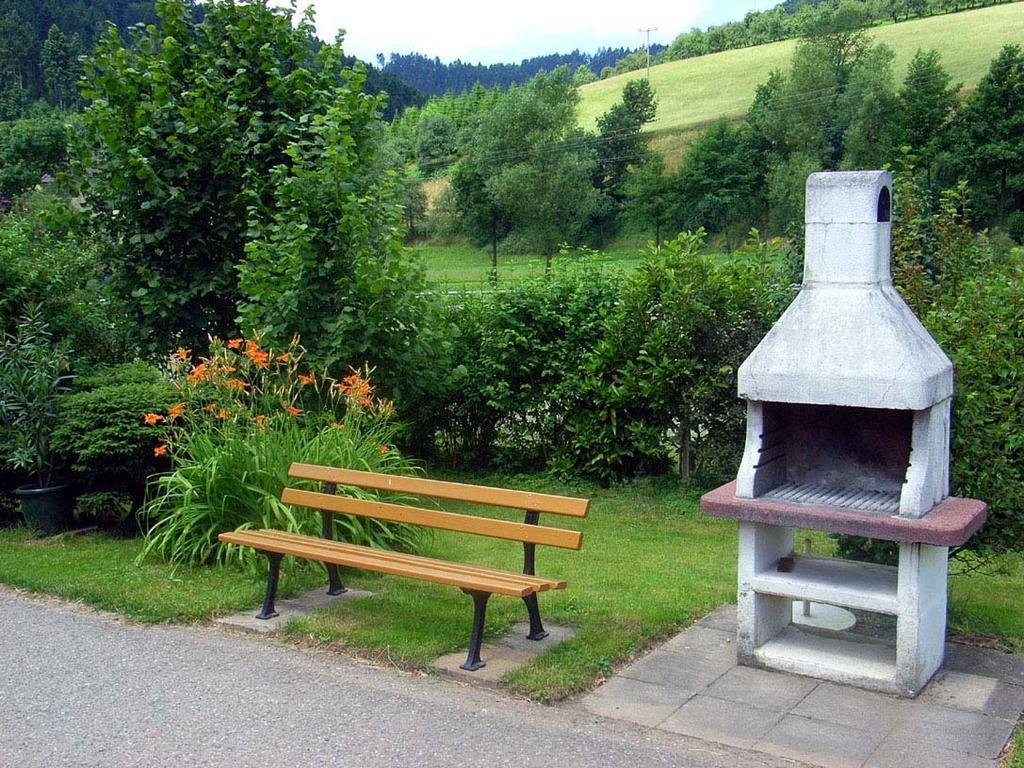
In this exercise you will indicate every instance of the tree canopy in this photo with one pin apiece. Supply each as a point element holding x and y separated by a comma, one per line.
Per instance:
<point>198,135</point>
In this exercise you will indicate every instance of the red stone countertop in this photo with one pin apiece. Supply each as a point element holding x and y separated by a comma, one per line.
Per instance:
<point>950,523</point>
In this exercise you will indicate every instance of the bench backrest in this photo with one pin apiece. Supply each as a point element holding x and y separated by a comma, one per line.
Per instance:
<point>528,532</point>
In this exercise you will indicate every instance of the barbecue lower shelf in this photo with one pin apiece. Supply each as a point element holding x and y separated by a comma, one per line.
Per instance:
<point>834,581</point>
<point>862,662</point>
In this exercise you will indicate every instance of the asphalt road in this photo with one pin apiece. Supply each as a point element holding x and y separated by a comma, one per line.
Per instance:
<point>83,689</point>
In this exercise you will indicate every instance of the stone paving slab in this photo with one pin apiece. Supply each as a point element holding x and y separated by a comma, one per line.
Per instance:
<point>804,739</point>
<point>952,729</point>
<point>975,693</point>
<point>853,707</point>
<point>724,722</point>
<point>692,685</point>
<point>758,688</point>
<point>292,608</point>
<point>723,618</point>
<point>510,652</point>
<point>1008,667</point>
<point>892,754</point>
<point>635,701</point>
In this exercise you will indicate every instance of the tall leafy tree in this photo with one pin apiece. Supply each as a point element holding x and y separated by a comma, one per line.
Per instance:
<point>927,101</point>
<point>717,181</point>
<point>870,103</point>
<point>527,168</point>
<point>480,216</point>
<point>550,199</point>
<point>992,135</point>
<point>835,44</point>
<point>650,197</point>
<point>620,143</point>
<point>58,61</point>
<point>187,156</point>
<point>435,141</point>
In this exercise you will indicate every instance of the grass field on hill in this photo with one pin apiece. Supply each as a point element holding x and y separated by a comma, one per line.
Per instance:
<point>693,92</point>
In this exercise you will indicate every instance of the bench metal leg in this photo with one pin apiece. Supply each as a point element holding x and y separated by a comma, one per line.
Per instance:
<point>334,585</point>
<point>268,611</point>
<point>529,555</point>
<point>536,627</point>
<point>473,662</point>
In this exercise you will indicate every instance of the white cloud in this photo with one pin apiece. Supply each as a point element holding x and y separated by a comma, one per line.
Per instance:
<point>499,32</point>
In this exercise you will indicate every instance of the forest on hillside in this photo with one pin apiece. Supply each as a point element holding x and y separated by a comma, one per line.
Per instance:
<point>41,44</point>
<point>434,77</point>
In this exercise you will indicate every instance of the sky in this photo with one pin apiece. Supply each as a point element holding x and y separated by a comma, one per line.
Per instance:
<point>509,31</point>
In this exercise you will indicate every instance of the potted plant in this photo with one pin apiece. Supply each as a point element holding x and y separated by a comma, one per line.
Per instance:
<point>33,377</point>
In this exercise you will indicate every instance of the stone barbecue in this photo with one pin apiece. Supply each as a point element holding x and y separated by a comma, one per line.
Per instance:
<point>848,412</point>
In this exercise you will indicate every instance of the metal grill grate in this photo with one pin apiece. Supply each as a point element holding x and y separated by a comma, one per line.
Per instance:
<point>880,502</point>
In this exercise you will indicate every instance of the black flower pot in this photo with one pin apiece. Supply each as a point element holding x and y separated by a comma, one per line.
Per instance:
<point>47,510</point>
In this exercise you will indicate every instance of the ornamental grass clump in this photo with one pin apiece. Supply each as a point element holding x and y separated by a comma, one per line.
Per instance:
<point>242,416</point>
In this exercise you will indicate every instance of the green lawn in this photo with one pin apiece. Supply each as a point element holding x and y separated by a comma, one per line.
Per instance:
<point>459,266</point>
<point>456,267</point>
<point>100,571</point>
<point>1016,757</point>
<point>650,564</point>
<point>695,91</point>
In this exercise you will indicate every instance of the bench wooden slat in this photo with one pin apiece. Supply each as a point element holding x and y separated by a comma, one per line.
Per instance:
<point>326,551</point>
<point>448,521</point>
<point>539,582</point>
<point>440,489</point>
<point>315,549</point>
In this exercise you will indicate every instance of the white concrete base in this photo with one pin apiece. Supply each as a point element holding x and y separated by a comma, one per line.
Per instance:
<point>823,616</point>
<point>915,593</point>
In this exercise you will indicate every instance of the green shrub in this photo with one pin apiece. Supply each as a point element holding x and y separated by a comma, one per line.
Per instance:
<point>662,379</point>
<point>44,262</point>
<point>981,327</point>
<point>232,161</point>
<point>33,377</point>
<point>243,416</point>
<point>103,436</point>
<point>518,359</point>
<point>28,149</point>
<point>970,296</point>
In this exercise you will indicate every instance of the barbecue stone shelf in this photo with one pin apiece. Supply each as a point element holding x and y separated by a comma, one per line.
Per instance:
<point>771,576</point>
<point>834,581</point>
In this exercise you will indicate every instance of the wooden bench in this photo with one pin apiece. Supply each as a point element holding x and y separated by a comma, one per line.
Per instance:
<point>476,581</point>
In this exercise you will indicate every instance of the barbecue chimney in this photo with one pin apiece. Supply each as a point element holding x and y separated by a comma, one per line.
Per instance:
<point>848,396</point>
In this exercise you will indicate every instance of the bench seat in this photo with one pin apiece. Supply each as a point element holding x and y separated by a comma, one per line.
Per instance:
<point>467,577</point>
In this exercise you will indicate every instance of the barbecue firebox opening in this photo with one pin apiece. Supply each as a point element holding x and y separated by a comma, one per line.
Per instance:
<point>855,458</point>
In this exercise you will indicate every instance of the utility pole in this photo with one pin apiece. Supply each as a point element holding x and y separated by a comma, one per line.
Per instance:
<point>648,31</point>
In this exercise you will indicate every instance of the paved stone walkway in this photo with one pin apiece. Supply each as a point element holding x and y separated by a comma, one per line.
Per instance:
<point>692,685</point>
